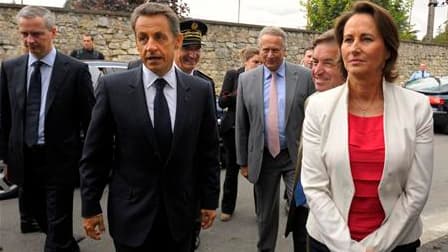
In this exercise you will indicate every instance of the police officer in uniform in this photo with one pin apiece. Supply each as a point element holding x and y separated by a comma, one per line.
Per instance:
<point>188,56</point>
<point>186,59</point>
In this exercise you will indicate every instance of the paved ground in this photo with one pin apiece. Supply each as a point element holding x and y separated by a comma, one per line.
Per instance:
<point>440,244</point>
<point>240,234</point>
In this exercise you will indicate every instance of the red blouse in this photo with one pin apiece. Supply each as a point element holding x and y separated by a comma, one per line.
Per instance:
<point>366,149</point>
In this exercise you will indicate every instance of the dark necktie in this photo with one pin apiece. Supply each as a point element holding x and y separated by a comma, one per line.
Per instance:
<point>33,101</point>
<point>162,122</point>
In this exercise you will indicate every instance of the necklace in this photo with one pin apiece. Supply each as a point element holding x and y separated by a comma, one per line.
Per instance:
<point>370,107</point>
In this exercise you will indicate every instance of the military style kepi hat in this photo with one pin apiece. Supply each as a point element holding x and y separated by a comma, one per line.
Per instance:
<point>193,30</point>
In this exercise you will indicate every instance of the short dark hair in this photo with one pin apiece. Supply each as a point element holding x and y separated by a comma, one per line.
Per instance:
<point>152,9</point>
<point>386,26</point>
<point>326,37</point>
<point>88,35</point>
<point>329,37</point>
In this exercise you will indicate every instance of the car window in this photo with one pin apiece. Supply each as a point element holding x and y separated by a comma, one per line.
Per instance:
<point>98,69</point>
<point>429,85</point>
<point>95,73</point>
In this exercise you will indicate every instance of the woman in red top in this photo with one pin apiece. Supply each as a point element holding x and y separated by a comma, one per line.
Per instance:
<point>367,146</point>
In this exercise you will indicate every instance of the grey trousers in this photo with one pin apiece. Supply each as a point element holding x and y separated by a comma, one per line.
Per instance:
<point>267,194</point>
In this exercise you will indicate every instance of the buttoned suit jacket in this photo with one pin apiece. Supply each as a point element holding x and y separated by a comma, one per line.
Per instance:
<point>406,180</point>
<point>141,182</point>
<point>250,119</point>
<point>67,113</point>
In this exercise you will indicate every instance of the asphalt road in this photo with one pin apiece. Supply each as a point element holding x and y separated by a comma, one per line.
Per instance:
<point>240,234</point>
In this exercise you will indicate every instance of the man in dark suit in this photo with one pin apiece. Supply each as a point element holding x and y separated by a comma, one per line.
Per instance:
<point>186,59</point>
<point>269,116</point>
<point>327,74</point>
<point>154,130</point>
<point>46,102</point>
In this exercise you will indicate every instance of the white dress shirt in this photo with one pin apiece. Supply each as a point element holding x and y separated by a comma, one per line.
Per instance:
<point>45,70</point>
<point>170,92</point>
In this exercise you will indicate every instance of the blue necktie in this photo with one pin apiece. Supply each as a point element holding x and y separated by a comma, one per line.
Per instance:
<point>33,101</point>
<point>162,122</point>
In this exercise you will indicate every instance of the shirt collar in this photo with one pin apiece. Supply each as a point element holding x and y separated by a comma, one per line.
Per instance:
<point>151,77</point>
<point>47,59</point>
<point>178,68</point>
<point>280,71</point>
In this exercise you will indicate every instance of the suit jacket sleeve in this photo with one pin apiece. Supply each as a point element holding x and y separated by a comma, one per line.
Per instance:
<point>242,126</point>
<point>97,154</point>
<point>5,115</point>
<point>86,99</point>
<point>227,98</point>
<point>409,205</point>
<point>207,156</point>
<point>316,184</point>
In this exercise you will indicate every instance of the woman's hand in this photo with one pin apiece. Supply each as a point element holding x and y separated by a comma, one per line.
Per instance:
<point>370,250</point>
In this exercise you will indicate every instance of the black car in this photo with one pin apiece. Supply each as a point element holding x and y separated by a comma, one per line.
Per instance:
<point>436,89</point>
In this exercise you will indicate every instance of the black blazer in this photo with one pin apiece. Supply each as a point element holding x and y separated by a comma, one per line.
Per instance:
<point>203,76</point>
<point>227,98</point>
<point>140,180</point>
<point>68,108</point>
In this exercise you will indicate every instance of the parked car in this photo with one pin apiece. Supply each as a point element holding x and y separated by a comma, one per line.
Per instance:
<point>436,89</point>
<point>98,68</point>
<point>7,190</point>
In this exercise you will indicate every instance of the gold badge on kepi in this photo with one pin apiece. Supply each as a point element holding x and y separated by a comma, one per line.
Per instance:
<point>193,30</point>
<point>194,26</point>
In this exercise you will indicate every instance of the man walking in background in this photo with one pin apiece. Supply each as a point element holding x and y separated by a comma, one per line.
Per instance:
<point>87,52</point>
<point>186,59</point>
<point>46,101</point>
<point>269,119</point>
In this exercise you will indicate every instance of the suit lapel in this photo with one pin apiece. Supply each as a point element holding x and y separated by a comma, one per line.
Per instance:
<point>291,80</point>
<point>137,94</point>
<point>21,72</point>
<point>58,75</point>
<point>183,98</point>
<point>258,80</point>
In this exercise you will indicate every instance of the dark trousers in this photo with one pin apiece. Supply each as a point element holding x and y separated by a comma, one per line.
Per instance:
<point>26,214</point>
<point>52,205</point>
<point>196,231</point>
<point>316,246</point>
<point>159,239</point>
<point>230,187</point>
<point>267,193</point>
<point>299,234</point>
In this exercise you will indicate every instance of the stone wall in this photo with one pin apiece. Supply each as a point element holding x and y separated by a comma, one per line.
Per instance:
<point>114,37</point>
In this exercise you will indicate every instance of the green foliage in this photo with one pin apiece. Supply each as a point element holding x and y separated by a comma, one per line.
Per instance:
<point>322,14</point>
<point>125,5</point>
<point>442,38</point>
